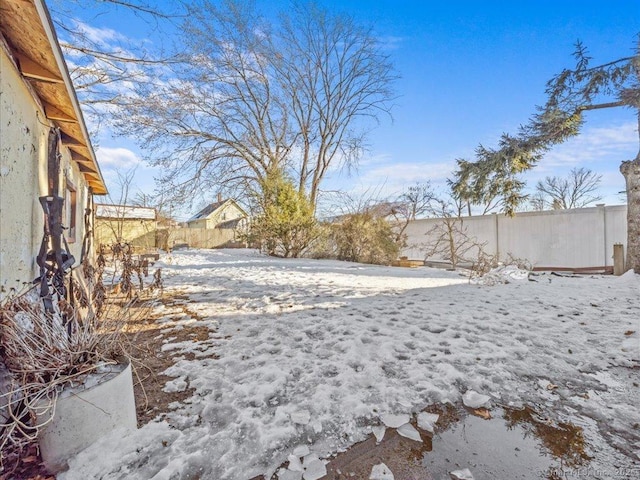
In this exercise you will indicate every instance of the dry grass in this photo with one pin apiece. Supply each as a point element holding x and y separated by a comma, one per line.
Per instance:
<point>45,350</point>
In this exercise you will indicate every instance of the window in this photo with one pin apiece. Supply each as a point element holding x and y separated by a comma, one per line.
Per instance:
<point>70,202</point>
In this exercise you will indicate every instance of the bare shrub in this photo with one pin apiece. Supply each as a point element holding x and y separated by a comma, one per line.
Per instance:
<point>483,264</point>
<point>521,263</point>
<point>366,238</point>
<point>44,350</point>
<point>486,263</point>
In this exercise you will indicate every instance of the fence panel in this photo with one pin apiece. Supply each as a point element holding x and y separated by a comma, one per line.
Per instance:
<point>576,238</point>
<point>196,237</point>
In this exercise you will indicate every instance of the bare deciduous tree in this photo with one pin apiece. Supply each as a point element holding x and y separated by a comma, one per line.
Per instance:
<point>537,201</point>
<point>576,190</point>
<point>253,98</point>
<point>336,75</point>
<point>449,238</point>
<point>411,204</point>
<point>103,63</point>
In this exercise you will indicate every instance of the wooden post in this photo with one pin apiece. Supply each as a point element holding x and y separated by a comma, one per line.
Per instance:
<point>618,259</point>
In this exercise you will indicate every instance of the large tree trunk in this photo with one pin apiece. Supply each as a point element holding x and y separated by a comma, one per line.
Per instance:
<point>631,171</point>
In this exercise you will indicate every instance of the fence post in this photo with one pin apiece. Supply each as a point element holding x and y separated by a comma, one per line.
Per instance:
<point>497,237</point>
<point>618,259</point>
<point>602,207</point>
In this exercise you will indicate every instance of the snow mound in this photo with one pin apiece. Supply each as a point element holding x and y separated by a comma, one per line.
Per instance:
<point>308,353</point>
<point>502,274</point>
<point>629,278</point>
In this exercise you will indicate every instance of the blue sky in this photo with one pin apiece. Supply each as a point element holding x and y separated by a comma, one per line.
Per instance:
<point>469,71</point>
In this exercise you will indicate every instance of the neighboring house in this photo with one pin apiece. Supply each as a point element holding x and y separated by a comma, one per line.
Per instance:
<point>45,149</point>
<point>125,223</point>
<point>224,214</point>
<point>216,225</point>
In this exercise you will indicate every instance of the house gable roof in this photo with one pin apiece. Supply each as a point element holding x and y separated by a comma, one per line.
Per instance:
<point>212,208</point>
<point>26,29</point>
<point>206,211</point>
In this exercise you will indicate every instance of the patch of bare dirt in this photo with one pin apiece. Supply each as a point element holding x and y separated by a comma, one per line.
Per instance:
<point>146,337</point>
<point>148,361</point>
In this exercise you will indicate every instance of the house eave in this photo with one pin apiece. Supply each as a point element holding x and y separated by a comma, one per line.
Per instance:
<point>27,29</point>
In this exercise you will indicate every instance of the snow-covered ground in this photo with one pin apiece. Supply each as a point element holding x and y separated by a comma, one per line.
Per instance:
<point>311,353</point>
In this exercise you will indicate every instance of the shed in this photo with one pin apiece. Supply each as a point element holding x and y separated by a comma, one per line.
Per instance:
<point>125,223</point>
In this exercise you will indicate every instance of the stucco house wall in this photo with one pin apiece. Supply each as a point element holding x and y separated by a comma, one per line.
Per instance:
<point>24,131</point>
<point>22,163</point>
<point>23,179</point>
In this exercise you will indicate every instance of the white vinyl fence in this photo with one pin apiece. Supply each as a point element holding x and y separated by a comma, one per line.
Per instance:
<point>577,238</point>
